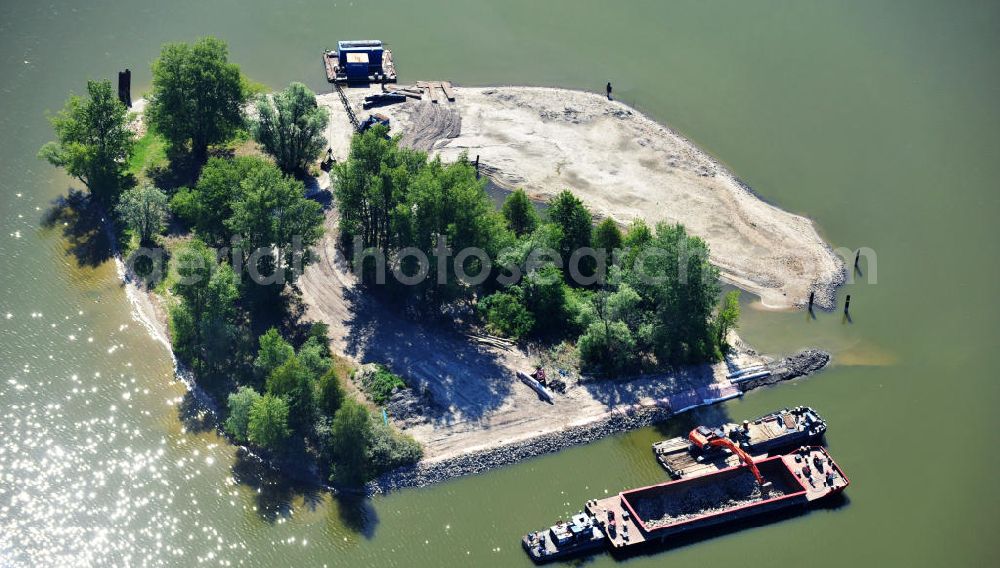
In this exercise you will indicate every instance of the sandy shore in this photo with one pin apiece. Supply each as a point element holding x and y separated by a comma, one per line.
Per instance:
<point>624,166</point>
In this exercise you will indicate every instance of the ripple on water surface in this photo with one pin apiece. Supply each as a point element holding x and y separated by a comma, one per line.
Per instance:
<point>95,468</point>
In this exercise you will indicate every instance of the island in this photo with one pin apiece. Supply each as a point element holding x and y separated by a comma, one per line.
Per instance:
<point>458,280</point>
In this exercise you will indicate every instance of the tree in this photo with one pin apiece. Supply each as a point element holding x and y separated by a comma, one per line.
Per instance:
<point>609,345</point>
<point>198,95</point>
<point>313,356</point>
<point>207,206</point>
<point>204,325</point>
<point>271,212</point>
<point>505,314</point>
<point>371,184</point>
<point>144,210</point>
<point>575,222</point>
<point>607,237</point>
<point>728,316</point>
<point>624,305</point>
<point>93,142</point>
<point>519,213</point>
<point>320,332</point>
<point>635,239</point>
<point>268,424</point>
<point>545,297</point>
<point>273,352</point>
<point>240,404</point>
<point>350,434</point>
<point>290,126</point>
<point>329,393</point>
<point>680,286</point>
<point>294,382</point>
<point>447,201</point>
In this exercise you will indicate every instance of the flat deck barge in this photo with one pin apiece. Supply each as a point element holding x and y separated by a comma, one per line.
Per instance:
<point>781,430</point>
<point>649,516</point>
<point>360,61</point>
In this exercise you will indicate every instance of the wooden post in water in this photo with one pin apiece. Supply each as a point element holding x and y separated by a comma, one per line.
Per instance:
<point>857,257</point>
<point>125,87</point>
<point>477,166</point>
<point>812,296</point>
<point>847,304</point>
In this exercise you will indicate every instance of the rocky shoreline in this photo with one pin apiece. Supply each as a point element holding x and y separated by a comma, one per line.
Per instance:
<point>800,364</point>
<point>423,474</point>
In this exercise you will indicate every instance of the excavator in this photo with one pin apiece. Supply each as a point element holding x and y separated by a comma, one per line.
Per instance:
<point>704,438</point>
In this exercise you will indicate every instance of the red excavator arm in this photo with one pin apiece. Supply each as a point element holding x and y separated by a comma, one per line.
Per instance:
<point>704,438</point>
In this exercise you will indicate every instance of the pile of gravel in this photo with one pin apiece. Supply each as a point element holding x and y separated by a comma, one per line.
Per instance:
<point>800,364</point>
<point>669,508</point>
<point>409,408</point>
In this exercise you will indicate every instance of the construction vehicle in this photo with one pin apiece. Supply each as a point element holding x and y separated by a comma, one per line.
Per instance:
<point>704,438</point>
<point>372,120</point>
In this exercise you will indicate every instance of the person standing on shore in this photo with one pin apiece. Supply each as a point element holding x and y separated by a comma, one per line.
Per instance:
<point>609,90</point>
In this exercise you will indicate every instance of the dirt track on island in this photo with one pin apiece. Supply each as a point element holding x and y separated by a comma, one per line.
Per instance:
<point>477,401</point>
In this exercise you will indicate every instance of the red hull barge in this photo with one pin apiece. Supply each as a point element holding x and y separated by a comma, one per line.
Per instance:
<point>654,513</point>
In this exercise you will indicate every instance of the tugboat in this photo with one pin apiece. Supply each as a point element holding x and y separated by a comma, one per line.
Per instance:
<point>564,539</point>
<point>762,436</point>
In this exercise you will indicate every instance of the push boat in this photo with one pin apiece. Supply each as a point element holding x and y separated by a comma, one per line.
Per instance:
<point>564,539</point>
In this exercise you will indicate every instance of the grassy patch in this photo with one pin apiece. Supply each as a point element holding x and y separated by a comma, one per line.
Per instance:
<point>150,152</point>
<point>342,366</point>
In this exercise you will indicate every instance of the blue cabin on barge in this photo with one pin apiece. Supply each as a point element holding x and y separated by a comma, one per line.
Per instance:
<point>359,61</point>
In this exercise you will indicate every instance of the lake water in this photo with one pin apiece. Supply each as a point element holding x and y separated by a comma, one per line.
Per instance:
<point>877,119</point>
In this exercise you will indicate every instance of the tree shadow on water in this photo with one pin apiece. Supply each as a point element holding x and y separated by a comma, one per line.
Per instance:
<point>275,490</point>
<point>356,513</point>
<point>195,415</point>
<point>82,222</point>
<point>278,491</point>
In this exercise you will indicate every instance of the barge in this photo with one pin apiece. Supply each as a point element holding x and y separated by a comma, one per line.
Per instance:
<point>359,61</point>
<point>649,516</point>
<point>760,437</point>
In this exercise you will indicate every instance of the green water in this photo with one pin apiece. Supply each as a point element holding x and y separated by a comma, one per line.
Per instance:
<point>877,119</point>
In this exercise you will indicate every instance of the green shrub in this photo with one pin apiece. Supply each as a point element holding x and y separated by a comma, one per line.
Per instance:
<point>505,315</point>
<point>379,383</point>
<point>388,449</point>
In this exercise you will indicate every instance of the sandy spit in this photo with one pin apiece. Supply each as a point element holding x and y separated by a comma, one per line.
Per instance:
<point>624,166</point>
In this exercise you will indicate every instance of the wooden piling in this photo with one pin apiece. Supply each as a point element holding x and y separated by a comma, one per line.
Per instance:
<point>847,304</point>
<point>812,296</point>
<point>857,258</point>
<point>125,87</point>
<point>477,166</point>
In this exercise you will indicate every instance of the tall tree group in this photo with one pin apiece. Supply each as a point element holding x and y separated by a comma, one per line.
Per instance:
<point>93,142</point>
<point>198,96</point>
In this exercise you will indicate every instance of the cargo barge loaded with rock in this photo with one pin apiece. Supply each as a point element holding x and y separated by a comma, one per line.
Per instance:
<point>639,518</point>
<point>781,430</point>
